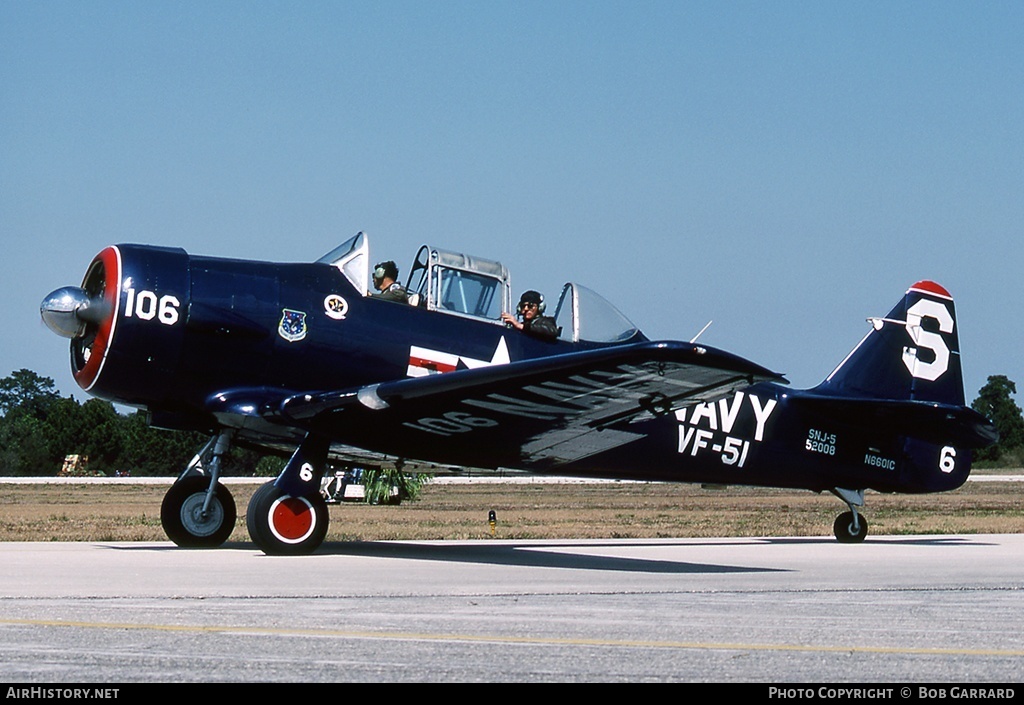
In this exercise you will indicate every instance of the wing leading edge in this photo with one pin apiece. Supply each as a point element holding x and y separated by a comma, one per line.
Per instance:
<point>533,414</point>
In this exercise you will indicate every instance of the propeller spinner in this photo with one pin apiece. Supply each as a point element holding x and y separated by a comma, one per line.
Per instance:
<point>68,310</point>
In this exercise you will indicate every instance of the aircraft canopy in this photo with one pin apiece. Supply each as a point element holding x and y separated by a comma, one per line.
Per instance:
<point>464,285</point>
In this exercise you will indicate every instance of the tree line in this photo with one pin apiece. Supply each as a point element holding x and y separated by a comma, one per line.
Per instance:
<point>39,430</point>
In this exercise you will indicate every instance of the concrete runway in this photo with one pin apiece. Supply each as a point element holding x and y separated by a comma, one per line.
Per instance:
<point>893,610</point>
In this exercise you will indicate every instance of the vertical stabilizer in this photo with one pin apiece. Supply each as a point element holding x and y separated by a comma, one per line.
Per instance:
<point>911,354</point>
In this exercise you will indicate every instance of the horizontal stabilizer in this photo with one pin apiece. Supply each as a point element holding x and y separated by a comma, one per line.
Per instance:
<point>932,422</point>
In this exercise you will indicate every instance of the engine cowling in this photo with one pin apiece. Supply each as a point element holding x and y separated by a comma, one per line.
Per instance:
<point>125,321</point>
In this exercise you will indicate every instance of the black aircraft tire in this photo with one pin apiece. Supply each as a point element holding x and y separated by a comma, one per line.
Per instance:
<point>280,524</point>
<point>843,528</point>
<point>182,519</point>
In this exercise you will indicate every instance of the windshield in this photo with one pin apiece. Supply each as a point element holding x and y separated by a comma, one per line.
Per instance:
<point>583,314</point>
<point>352,258</point>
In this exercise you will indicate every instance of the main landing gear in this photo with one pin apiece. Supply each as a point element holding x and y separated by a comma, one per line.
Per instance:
<point>289,515</point>
<point>198,511</point>
<point>283,524</point>
<point>850,527</point>
<point>286,516</point>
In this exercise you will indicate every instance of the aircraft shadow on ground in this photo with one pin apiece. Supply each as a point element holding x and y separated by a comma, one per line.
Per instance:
<point>893,541</point>
<point>525,555</point>
<point>572,555</point>
<point>533,555</point>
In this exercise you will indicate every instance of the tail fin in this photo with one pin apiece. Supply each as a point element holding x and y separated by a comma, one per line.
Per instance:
<point>912,354</point>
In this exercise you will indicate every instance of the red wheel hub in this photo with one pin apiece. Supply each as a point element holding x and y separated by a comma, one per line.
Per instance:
<point>292,519</point>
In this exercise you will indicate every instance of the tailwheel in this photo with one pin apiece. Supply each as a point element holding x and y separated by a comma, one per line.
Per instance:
<point>282,524</point>
<point>191,521</point>
<point>850,527</point>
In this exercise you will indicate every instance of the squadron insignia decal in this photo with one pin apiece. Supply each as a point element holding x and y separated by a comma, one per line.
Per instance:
<point>335,307</point>
<point>293,325</point>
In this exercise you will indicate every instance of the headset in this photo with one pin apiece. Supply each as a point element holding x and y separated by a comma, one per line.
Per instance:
<point>540,304</point>
<point>385,269</point>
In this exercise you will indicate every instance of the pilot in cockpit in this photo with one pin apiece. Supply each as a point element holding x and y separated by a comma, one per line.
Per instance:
<point>531,319</point>
<point>385,281</point>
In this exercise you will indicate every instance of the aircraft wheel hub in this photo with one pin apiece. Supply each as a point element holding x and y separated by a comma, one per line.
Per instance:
<point>292,519</point>
<point>197,522</point>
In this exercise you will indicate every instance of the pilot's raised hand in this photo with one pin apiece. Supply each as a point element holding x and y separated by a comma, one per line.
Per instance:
<point>511,321</point>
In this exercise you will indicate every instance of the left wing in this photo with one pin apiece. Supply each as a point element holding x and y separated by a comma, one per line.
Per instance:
<point>531,414</point>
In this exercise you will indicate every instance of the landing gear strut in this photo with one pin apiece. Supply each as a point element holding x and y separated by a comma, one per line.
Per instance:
<point>850,527</point>
<point>198,511</point>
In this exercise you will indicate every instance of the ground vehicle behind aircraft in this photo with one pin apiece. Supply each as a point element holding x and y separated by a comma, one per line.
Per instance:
<point>298,358</point>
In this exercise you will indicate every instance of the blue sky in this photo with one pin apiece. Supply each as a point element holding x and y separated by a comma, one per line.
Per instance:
<point>785,169</point>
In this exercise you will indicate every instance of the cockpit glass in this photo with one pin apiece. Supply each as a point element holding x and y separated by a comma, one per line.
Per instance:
<point>468,293</point>
<point>470,286</point>
<point>583,314</point>
<point>352,258</point>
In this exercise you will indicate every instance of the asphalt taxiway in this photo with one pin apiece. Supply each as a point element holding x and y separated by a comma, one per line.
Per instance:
<point>905,609</point>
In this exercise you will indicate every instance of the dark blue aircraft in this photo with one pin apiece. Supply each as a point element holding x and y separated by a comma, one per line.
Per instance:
<point>301,358</point>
